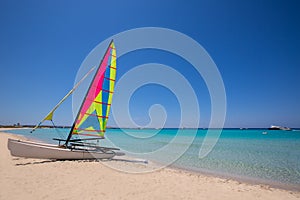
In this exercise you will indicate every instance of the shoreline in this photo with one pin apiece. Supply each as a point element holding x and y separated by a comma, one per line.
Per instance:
<point>173,181</point>
<point>112,128</point>
<point>241,179</point>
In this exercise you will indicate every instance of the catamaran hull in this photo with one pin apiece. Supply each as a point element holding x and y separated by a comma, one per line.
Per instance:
<point>26,149</point>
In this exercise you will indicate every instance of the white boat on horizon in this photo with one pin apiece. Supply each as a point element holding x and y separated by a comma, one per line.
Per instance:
<point>273,127</point>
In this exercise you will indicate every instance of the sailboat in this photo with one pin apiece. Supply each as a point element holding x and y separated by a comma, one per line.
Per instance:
<point>90,121</point>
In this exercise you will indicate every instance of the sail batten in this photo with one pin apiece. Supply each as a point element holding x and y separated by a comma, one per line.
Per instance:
<point>88,130</point>
<point>100,102</point>
<point>93,113</point>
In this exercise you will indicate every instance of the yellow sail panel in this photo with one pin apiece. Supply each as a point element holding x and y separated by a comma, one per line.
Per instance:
<point>49,116</point>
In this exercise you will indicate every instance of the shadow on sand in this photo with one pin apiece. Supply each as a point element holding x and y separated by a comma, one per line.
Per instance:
<point>90,160</point>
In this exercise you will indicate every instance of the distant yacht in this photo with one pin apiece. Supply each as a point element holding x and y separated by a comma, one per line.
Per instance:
<point>280,128</point>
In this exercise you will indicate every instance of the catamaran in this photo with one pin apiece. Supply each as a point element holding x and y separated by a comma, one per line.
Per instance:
<point>94,108</point>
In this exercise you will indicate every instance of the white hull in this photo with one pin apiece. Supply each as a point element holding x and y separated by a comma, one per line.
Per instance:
<point>28,149</point>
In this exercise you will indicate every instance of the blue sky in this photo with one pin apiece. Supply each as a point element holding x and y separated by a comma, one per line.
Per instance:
<point>255,44</point>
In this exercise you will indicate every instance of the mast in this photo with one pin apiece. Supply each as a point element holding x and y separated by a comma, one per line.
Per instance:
<point>85,97</point>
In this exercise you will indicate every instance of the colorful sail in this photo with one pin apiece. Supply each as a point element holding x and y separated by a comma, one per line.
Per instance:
<point>93,114</point>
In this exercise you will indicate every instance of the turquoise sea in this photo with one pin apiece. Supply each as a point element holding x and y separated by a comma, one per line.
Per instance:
<point>258,155</point>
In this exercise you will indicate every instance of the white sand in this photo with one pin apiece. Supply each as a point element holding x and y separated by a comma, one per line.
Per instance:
<point>42,179</point>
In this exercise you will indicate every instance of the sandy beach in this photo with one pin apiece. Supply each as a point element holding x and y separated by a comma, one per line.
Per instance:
<point>23,178</point>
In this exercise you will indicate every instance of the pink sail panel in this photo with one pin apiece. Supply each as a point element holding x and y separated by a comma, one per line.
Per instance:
<point>95,87</point>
